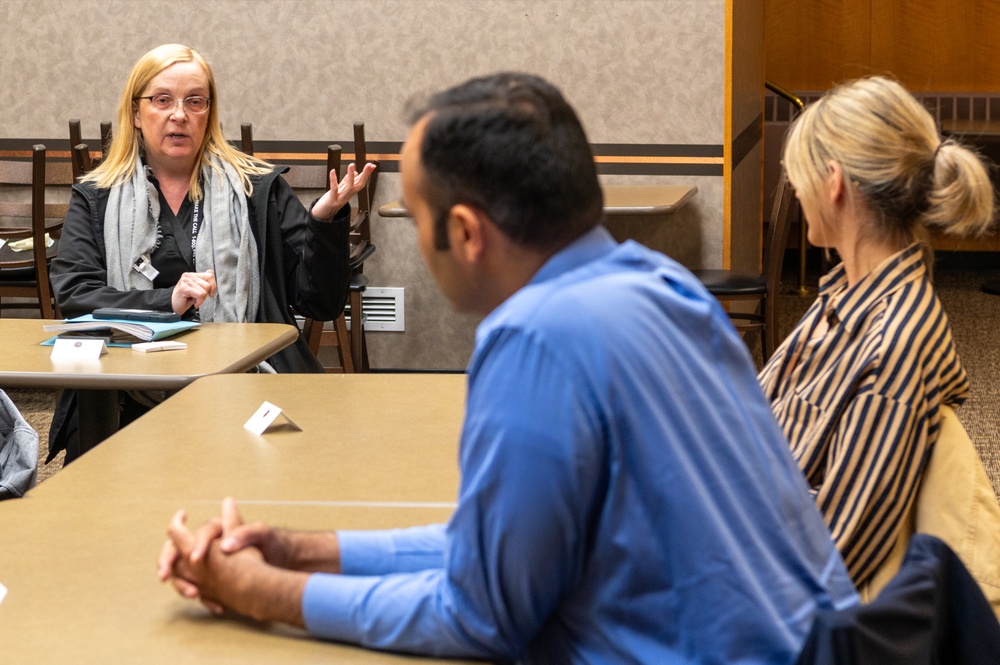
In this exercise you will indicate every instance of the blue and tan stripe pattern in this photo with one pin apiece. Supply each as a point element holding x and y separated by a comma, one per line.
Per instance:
<point>860,403</point>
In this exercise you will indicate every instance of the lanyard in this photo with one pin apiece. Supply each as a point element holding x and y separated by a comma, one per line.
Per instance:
<point>195,223</point>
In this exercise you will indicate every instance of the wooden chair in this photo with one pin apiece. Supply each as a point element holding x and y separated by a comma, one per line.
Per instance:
<point>76,139</point>
<point>25,274</point>
<point>730,285</point>
<point>352,351</point>
<point>83,162</point>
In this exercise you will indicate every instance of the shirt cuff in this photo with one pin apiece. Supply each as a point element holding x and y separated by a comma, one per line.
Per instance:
<point>391,551</point>
<point>329,602</point>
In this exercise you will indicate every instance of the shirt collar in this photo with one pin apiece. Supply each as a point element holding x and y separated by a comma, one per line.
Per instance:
<point>848,305</point>
<point>591,245</point>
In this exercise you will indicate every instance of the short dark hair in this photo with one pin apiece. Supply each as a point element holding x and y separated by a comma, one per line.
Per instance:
<point>512,146</point>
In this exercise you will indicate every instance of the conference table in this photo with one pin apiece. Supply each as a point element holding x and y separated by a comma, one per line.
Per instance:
<point>212,348</point>
<point>619,201</point>
<point>79,551</point>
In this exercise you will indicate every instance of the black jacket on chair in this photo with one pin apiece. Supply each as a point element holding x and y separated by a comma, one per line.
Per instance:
<point>931,612</point>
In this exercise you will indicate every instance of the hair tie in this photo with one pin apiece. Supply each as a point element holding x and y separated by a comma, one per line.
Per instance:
<point>936,151</point>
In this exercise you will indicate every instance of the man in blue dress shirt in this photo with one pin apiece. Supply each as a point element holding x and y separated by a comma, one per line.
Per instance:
<point>626,495</point>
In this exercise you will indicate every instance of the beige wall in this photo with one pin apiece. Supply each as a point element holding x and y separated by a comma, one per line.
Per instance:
<point>638,71</point>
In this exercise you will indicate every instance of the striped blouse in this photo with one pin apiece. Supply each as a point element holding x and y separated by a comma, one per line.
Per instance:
<point>860,404</point>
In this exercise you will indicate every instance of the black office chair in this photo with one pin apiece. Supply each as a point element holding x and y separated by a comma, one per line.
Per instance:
<point>731,285</point>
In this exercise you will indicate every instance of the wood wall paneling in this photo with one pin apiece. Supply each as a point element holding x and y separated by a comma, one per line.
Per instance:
<point>812,44</point>
<point>930,45</point>
<point>938,45</point>
<point>744,134</point>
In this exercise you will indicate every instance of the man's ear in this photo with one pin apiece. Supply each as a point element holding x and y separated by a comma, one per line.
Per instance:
<point>467,232</point>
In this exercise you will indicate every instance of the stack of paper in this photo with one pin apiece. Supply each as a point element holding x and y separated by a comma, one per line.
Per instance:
<point>122,330</point>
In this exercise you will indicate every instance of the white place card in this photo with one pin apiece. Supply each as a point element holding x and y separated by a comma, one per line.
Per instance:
<point>153,347</point>
<point>266,416</point>
<point>77,349</point>
<point>3,592</point>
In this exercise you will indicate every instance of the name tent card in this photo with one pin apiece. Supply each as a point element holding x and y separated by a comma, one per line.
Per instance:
<point>266,416</point>
<point>75,350</point>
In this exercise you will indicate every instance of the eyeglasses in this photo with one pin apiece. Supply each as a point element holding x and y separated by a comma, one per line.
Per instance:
<point>164,102</point>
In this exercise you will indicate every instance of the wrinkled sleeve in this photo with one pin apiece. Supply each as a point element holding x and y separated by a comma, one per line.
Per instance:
<point>531,466</point>
<point>392,550</point>
<point>79,272</point>
<point>873,467</point>
<point>315,255</point>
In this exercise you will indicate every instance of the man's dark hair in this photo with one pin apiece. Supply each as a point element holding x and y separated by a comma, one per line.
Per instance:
<point>510,145</point>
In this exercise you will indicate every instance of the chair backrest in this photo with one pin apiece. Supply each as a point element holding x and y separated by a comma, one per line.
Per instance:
<point>311,177</point>
<point>246,138</point>
<point>29,220</point>
<point>776,240</point>
<point>956,503</point>
<point>83,161</point>
<point>76,139</point>
<point>361,223</point>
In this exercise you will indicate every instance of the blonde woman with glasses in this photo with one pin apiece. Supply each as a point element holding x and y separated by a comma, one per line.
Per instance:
<point>858,384</point>
<point>176,219</point>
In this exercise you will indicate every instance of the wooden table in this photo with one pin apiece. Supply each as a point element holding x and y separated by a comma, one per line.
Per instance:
<point>213,348</point>
<point>619,200</point>
<point>78,554</point>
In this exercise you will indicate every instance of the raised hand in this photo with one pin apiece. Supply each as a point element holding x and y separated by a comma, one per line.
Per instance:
<point>341,192</point>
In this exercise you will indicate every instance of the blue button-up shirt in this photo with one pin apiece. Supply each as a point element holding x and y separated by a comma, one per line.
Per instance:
<point>626,494</point>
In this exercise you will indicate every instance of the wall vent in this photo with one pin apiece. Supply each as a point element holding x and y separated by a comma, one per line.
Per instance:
<point>383,309</point>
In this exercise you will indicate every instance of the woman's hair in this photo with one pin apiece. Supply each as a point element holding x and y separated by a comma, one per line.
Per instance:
<point>888,146</point>
<point>126,146</point>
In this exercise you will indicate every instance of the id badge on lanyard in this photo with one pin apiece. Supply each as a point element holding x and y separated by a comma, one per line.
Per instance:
<point>195,224</point>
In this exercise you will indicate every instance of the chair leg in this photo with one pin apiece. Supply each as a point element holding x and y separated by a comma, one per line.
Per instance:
<point>769,336</point>
<point>312,330</point>
<point>343,344</point>
<point>359,353</point>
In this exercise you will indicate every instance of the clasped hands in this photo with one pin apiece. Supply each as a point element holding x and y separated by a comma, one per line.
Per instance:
<point>231,565</point>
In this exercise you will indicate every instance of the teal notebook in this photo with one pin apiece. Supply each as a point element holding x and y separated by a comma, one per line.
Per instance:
<point>122,332</point>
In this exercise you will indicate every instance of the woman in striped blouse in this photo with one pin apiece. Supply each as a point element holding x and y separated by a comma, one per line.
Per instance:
<point>858,383</point>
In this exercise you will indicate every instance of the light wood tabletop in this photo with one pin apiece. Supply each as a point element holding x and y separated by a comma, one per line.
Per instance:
<point>619,200</point>
<point>374,451</point>
<point>641,200</point>
<point>212,348</point>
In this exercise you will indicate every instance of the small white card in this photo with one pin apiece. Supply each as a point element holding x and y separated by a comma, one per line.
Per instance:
<point>77,349</point>
<point>3,592</point>
<point>266,416</point>
<point>151,347</point>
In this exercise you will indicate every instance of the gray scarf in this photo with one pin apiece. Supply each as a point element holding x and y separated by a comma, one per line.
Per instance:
<point>225,240</point>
